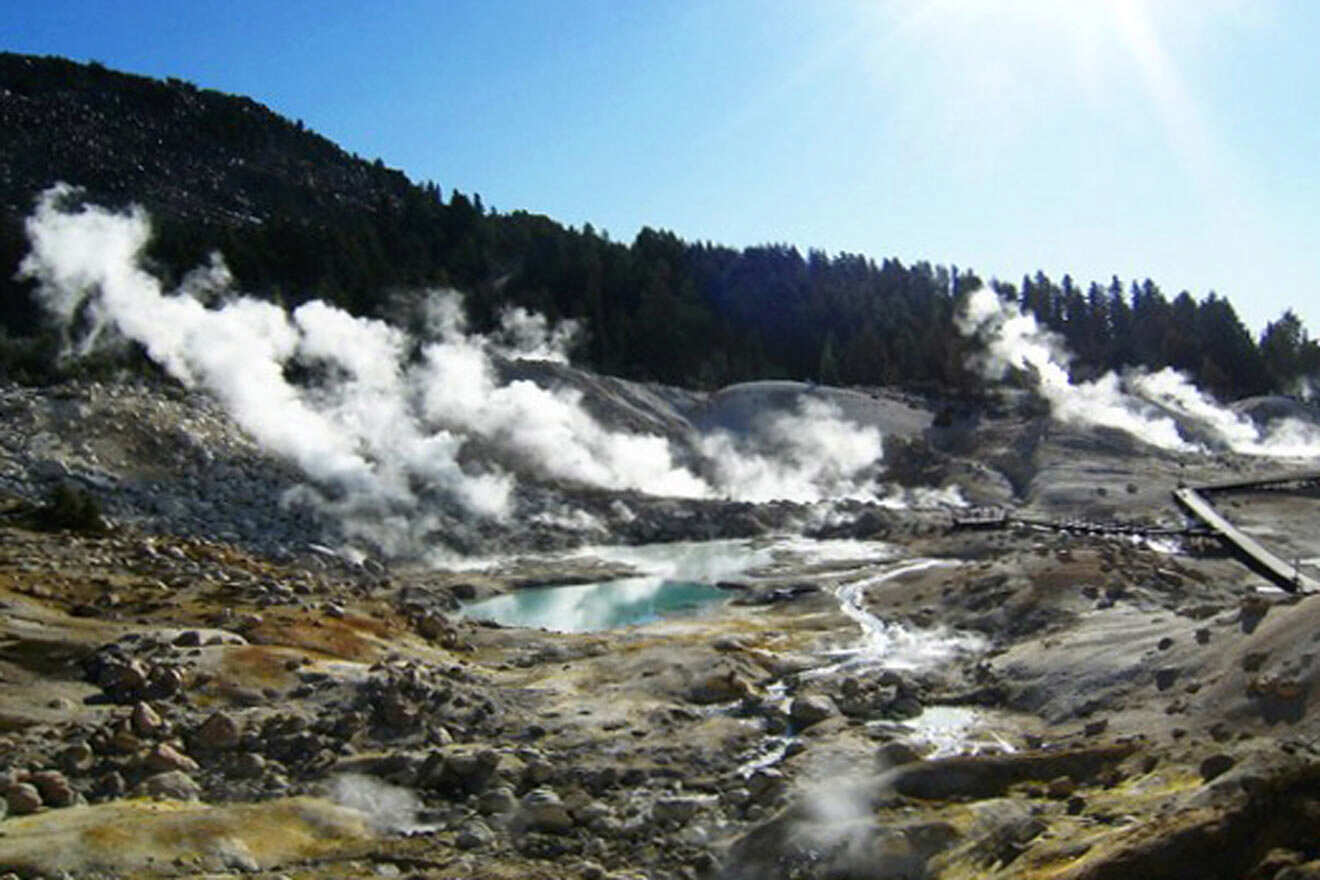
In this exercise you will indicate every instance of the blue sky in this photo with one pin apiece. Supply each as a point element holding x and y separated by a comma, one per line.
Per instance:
<point>1172,139</point>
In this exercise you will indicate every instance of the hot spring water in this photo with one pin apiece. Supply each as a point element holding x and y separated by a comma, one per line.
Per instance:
<point>599,606</point>
<point>680,580</point>
<point>674,580</point>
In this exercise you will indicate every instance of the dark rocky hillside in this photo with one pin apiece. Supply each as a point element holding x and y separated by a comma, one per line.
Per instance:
<point>182,151</point>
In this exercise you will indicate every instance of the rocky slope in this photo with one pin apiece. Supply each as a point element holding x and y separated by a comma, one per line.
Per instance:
<point>188,152</point>
<point>165,460</point>
<point>200,691</point>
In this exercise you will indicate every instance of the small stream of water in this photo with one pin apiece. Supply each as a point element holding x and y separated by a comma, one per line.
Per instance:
<point>890,645</point>
<point>679,580</point>
<point>942,730</point>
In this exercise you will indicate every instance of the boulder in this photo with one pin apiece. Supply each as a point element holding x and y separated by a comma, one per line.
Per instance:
<point>1166,677</point>
<point>165,681</point>
<point>1061,787</point>
<point>766,785</point>
<point>497,801</point>
<point>22,798</point>
<point>247,765</point>
<point>54,788</point>
<point>145,720</point>
<point>434,627</point>
<point>897,753</point>
<point>171,785</point>
<point>124,680</point>
<point>676,810</point>
<point>110,785</point>
<point>537,770</point>
<point>165,757</point>
<point>474,835</point>
<point>78,758</point>
<point>720,687</point>
<point>809,709</point>
<point>542,810</point>
<point>220,732</point>
<point>123,740</point>
<point>596,815</point>
<point>986,776</point>
<point>398,712</point>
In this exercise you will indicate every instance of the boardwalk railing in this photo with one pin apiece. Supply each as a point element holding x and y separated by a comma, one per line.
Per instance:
<point>1194,500</point>
<point>1285,574</point>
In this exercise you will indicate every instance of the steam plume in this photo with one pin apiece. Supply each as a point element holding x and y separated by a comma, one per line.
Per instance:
<point>388,808</point>
<point>807,455</point>
<point>388,435</point>
<point>1155,407</point>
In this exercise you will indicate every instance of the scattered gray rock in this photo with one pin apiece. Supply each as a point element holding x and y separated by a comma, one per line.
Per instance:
<point>809,709</point>
<point>542,810</point>
<point>474,834</point>
<point>721,687</point>
<point>247,765</point>
<point>146,721</point>
<point>77,758</point>
<point>497,801</point>
<point>220,732</point>
<point>676,810</point>
<point>766,785</point>
<point>164,757</point>
<point>54,788</point>
<point>23,798</point>
<point>172,785</point>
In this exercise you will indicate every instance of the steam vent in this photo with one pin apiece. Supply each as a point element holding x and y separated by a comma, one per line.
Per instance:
<point>352,529</point>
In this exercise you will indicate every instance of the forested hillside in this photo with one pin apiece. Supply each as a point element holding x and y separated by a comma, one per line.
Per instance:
<point>297,218</point>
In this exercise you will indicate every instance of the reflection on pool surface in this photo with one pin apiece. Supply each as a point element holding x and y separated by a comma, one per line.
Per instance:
<point>679,580</point>
<point>592,607</point>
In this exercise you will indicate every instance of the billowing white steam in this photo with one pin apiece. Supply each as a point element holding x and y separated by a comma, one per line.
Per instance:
<point>811,454</point>
<point>388,808</point>
<point>381,428</point>
<point>531,336</point>
<point>543,430</point>
<point>1139,402</point>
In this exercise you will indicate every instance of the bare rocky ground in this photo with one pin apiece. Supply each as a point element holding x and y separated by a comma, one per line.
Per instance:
<point>201,691</point>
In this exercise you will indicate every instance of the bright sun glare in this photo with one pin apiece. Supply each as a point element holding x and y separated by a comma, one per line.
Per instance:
<point>1000,59</point>
<point>1086,30</point>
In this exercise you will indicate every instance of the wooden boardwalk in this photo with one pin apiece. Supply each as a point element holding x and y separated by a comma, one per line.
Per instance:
<point>1285,574</point>
<point>1294,482</point>
<point>1194,500</point>
<point>999,518</point>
